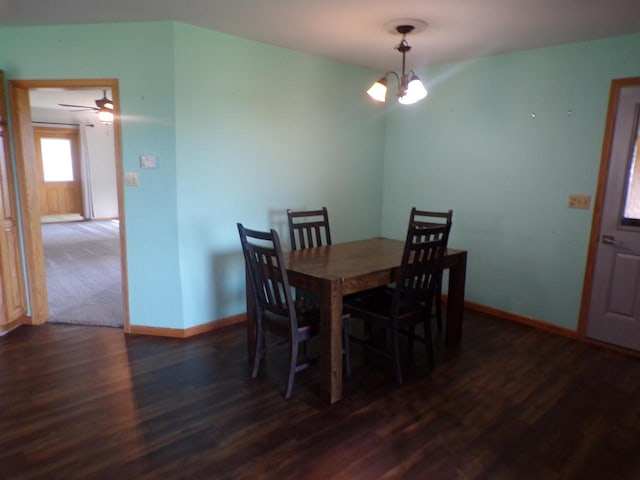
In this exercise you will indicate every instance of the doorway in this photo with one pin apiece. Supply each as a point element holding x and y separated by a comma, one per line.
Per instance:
<point>101,229</point>
<point>611,297</point>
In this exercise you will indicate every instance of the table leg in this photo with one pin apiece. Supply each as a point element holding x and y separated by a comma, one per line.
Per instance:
<point>455,299</point>
<point>331,339</point>
<point>251,321</point>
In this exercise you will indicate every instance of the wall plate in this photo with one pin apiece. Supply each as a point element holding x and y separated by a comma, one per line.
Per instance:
<point>148,161</point>
<point>131,179</point>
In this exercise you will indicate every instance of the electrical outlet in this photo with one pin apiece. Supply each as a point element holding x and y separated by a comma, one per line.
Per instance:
<point>131,179</point>
<point>581,201</point>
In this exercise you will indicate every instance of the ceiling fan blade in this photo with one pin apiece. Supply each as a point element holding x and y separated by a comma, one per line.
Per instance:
<point>85,107</point>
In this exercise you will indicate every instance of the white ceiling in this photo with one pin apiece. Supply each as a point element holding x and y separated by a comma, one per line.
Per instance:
<point>52,97</point>
<point>357,31</point>
<point>47,99</point>
<point>354,31</point>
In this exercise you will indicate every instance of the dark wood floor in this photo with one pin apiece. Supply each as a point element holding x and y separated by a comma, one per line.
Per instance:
<point>511,402</point>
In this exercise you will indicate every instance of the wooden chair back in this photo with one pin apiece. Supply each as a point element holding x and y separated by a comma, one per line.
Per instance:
<point>425,218</point>
<point>268,276</point>
<point>419,274</point>
<point>308,229</point>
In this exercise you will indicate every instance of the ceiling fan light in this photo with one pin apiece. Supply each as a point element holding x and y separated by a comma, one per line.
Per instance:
<point>415,91</point>
<point>378,91</point>
<point>105,116</point>
<point>104,102</point>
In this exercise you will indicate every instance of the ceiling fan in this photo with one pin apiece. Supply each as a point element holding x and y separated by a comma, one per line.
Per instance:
<point>101,104</point>
<point>104,107</point>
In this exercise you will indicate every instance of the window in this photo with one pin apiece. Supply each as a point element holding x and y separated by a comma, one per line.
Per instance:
<point>631,207</point>
<point>57,161</point>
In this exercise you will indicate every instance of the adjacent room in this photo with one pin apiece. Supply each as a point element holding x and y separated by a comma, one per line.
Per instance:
<point>78,206</point>
<point>517,117</point>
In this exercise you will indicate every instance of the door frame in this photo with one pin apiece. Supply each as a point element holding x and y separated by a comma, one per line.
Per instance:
<point>27,186</point>
<point>614,94</point>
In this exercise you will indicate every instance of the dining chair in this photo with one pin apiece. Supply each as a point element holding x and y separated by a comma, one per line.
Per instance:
<point>294,323</point>
<point>309,228</point>
<point>409,300</point>
<point>426,218</point>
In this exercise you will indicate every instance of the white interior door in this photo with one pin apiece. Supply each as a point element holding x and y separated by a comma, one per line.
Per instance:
<point>614,314</point>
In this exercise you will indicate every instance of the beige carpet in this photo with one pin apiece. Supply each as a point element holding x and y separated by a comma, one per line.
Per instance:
<point>84,280</point>
<point>69,217</point>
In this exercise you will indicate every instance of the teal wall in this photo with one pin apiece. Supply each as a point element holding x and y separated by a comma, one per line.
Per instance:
<point>474,146</point>
<point>241,131</point>
<point>259,130</point>
<point>140,56</point>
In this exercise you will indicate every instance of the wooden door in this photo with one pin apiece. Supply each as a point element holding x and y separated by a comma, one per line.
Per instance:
<point>614,313</point>
<point>59,179</point>
<point>12,291</point>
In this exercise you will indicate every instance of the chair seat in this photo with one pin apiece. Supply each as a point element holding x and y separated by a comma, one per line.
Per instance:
<point>378,304</point>
<point>308,321</point>
<point>378,308</point>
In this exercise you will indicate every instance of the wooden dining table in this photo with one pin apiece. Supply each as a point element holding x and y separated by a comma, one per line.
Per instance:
<point>336,270</point>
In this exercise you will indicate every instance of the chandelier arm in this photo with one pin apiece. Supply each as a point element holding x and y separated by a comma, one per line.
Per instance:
<point>394,74</point>
<point>402,80</point>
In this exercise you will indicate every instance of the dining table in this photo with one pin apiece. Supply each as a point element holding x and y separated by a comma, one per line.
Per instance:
<point>333,271</point>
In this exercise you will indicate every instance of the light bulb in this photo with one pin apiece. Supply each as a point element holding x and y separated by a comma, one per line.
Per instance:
<point>378,90</point>
<point>415,91</point>
<point>105,116</point>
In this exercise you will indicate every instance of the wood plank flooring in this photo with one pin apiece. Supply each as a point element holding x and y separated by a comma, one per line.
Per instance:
<point>510,403</point>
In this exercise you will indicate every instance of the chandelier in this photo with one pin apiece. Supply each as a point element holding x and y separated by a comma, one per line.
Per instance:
<point>410,88</point>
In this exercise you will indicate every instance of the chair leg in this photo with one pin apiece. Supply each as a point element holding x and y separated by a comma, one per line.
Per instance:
<point>428,341</point>
<point>346,330</point>
<point>411,337</point>
<point>438,299</point>
<point>293,360</point>
<point>367,329</point>
<point>395,352</point>
<point>260,348</point>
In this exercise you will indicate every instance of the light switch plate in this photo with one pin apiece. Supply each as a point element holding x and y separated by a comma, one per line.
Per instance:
<point>131,179</point>
<point>148,161</point>
<point>581,201</point>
